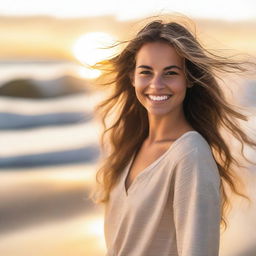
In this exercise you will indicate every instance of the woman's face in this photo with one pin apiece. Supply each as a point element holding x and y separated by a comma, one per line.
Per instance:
<point>159,78</point>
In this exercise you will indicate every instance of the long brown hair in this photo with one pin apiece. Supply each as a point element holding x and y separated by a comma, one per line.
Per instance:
<point>205,108</point>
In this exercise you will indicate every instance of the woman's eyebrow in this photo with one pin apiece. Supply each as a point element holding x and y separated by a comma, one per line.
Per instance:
<point>166,68</point>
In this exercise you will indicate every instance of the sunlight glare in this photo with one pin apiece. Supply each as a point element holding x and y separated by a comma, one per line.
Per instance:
<point>92,48</point>
<point>95,227</point>
<point>88,72</point>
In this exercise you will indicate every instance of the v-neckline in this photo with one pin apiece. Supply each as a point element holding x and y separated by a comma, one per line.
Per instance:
<point>144,171</point>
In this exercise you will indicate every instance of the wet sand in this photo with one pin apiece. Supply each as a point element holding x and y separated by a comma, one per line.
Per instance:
<point>240,238</point>
<point>47,212</point>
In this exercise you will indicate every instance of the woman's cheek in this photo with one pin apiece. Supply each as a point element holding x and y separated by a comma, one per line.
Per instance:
<point>177,85</point>
<point>142,80</point>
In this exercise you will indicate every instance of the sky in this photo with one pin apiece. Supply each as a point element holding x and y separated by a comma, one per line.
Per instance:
<point>39,37</point>
<point>232,10</point>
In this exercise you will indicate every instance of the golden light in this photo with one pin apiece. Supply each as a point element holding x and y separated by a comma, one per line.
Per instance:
<point>95,228</point>
<point>92,48</point>
<point>88,73</point>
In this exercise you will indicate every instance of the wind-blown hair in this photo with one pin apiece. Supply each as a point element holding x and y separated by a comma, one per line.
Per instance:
<point>205,107</point>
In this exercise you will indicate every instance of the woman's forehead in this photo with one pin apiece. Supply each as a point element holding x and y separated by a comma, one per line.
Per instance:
<point>158,53</point>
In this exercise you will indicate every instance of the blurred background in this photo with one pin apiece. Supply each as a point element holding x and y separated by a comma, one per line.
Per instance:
<point>49,138</point>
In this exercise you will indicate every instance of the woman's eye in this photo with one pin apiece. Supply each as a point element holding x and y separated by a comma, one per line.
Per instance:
<point>145,72</point>
<point>171,73</point>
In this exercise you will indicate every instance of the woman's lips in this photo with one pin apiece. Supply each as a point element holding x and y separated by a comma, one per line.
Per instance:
<point>158,98</point>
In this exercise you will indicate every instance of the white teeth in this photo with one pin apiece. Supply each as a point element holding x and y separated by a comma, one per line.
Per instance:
<point>159,98</point>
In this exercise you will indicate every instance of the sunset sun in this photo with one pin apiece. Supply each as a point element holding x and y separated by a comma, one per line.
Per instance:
<point>91,48</point>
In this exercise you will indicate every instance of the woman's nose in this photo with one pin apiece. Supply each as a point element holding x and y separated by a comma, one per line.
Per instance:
<point>157,82</point>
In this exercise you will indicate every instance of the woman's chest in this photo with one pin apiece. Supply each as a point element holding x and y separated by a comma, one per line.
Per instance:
<point>148,194</point>
<point>142,161</point>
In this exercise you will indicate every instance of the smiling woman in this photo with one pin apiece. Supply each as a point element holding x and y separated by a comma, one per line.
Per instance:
<point>160,81</point>
<point>164,178</point>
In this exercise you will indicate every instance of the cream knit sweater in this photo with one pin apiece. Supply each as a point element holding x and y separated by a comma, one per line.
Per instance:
<point>172,208</point>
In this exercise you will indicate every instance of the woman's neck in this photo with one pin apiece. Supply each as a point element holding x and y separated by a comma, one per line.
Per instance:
<point>167,128</point>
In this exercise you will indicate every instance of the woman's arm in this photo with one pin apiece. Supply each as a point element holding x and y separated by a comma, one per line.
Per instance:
<point>196,204</point>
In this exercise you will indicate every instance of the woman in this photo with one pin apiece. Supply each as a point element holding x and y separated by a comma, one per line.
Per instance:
<point>163,177</point>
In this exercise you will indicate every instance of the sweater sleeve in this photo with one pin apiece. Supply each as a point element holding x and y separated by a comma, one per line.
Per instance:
<point>196,204</point>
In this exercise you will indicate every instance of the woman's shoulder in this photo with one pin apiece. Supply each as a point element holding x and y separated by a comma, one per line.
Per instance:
<point>190,142</point>
<point>194,158</point>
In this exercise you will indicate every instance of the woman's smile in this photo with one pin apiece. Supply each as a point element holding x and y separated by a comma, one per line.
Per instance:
<point>158,98</point>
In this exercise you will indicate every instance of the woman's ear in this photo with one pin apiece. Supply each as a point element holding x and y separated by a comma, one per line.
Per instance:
<point>189,84</point>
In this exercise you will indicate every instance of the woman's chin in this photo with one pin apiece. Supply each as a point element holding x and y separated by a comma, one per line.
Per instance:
<point>158,112</point>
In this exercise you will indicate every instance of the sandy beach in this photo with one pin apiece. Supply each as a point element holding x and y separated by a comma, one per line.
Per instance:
<point>46,212</point>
